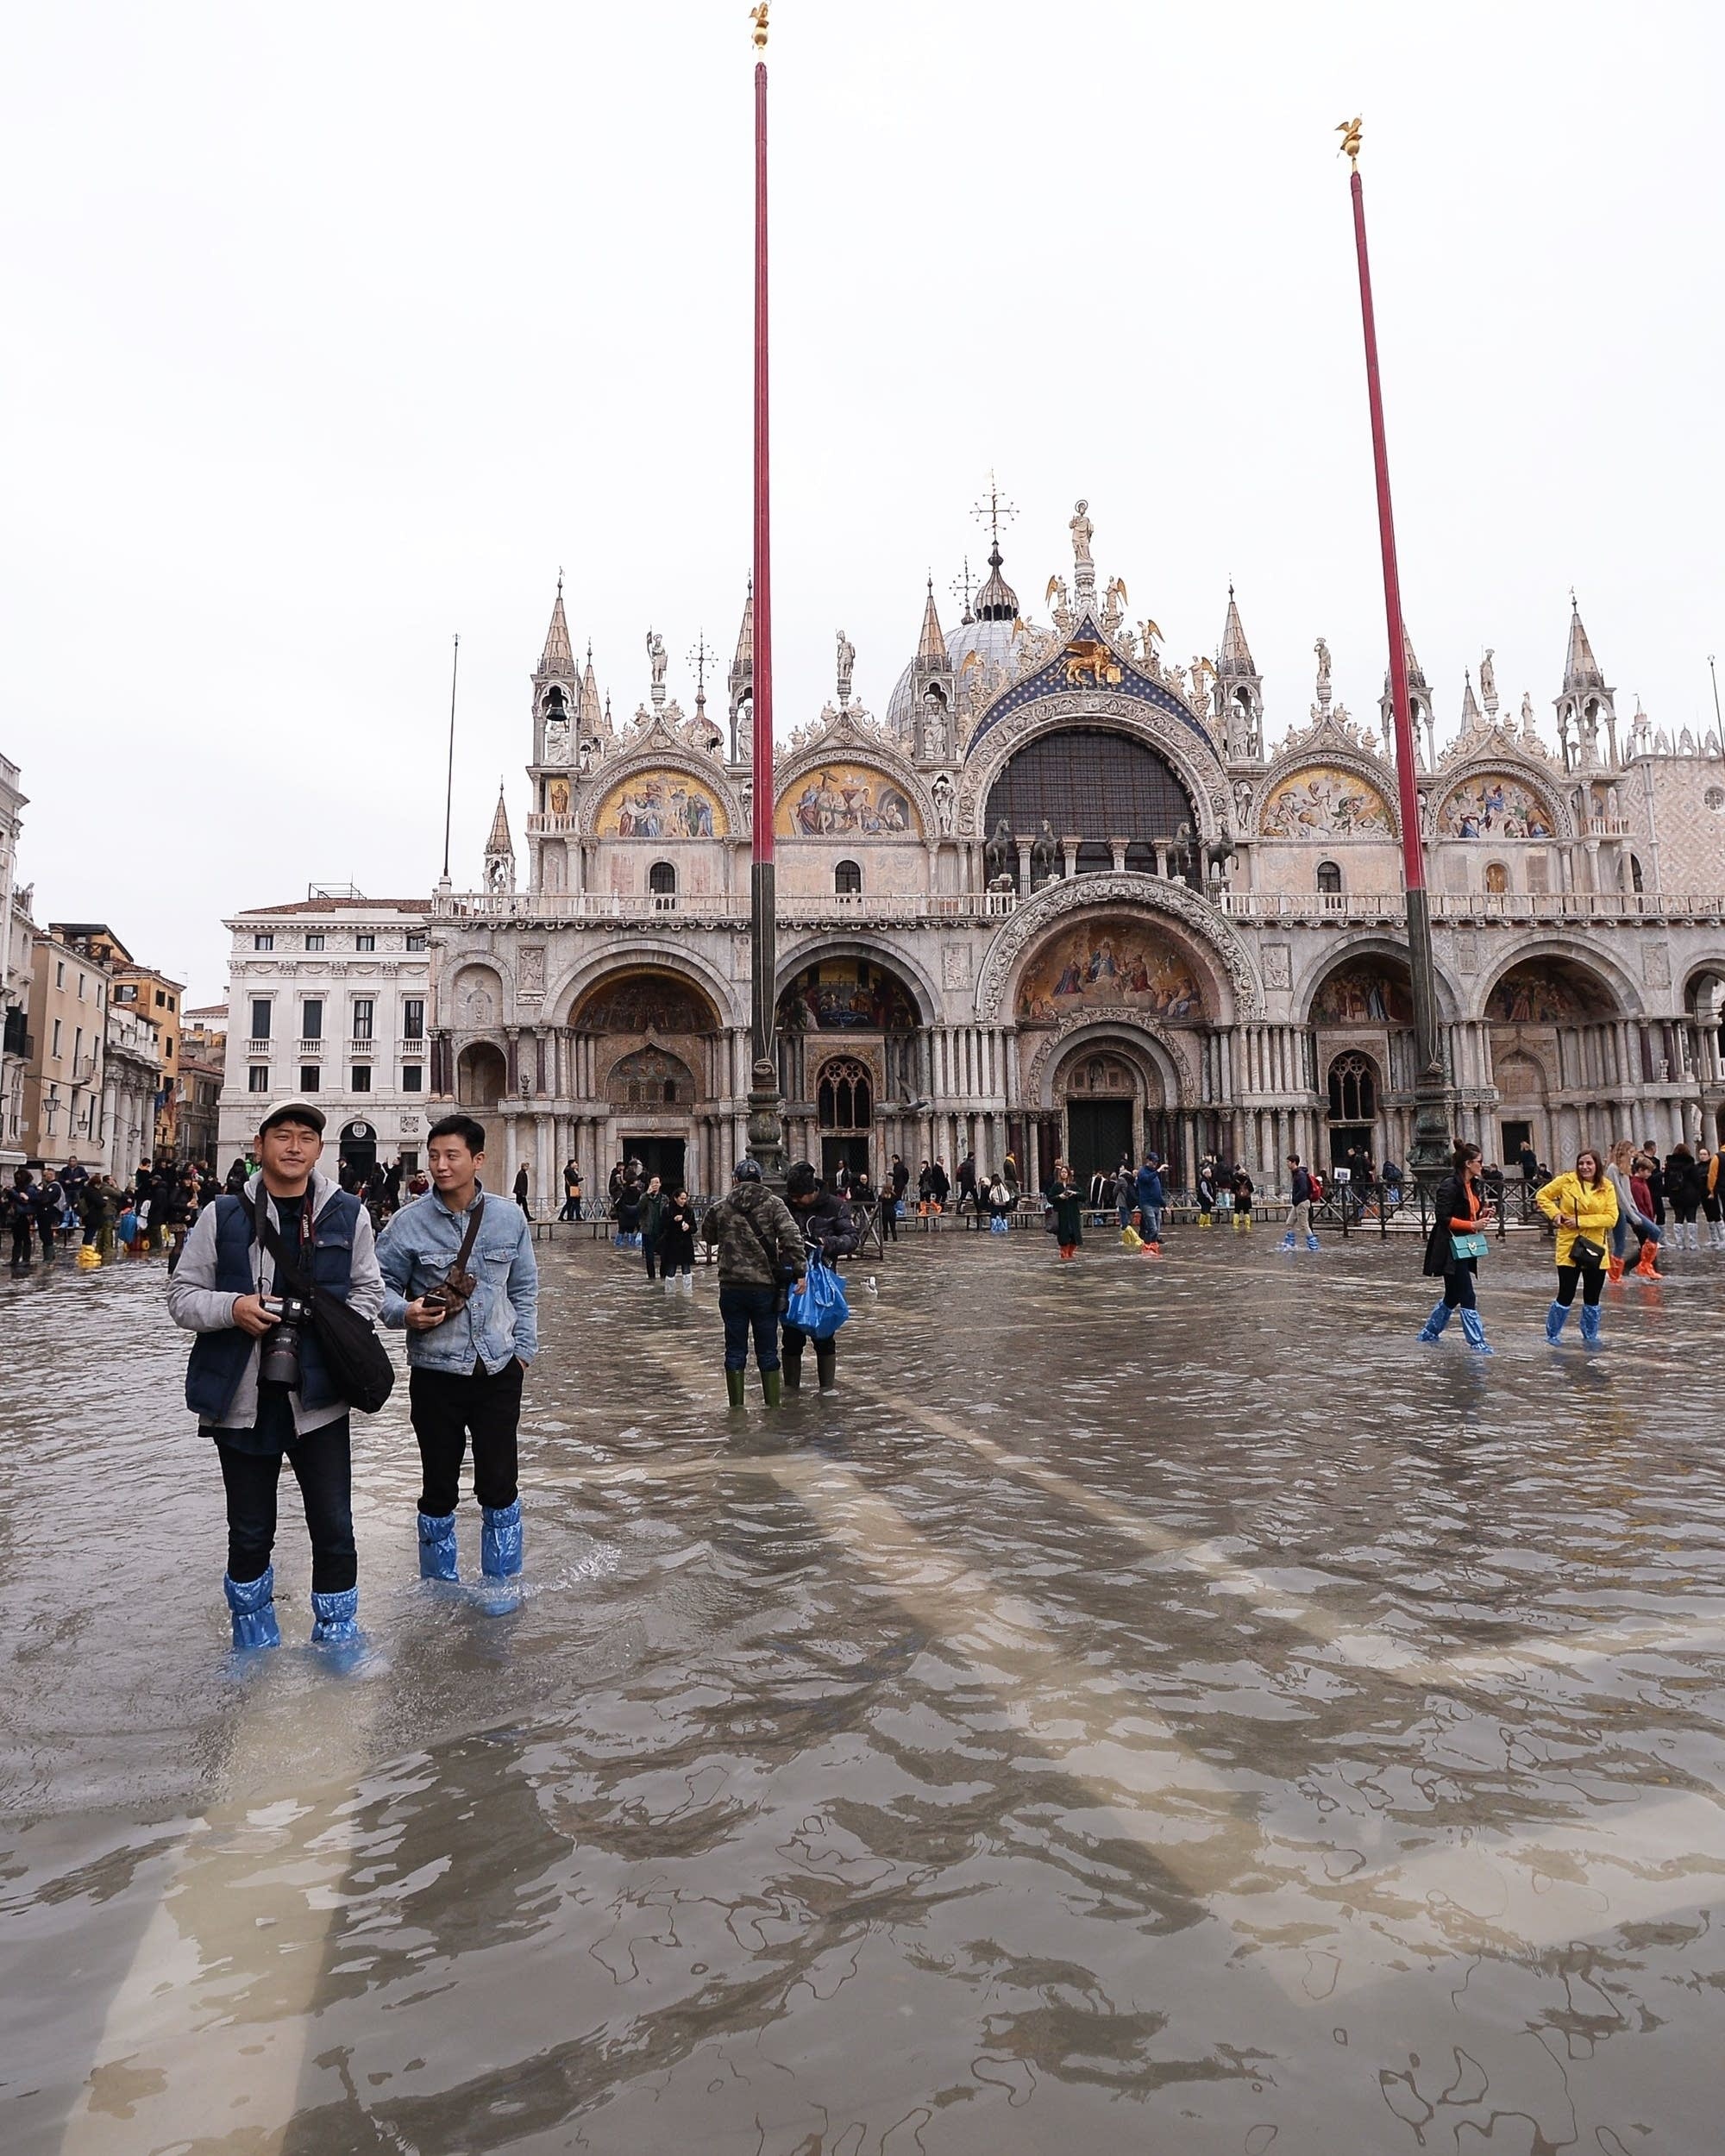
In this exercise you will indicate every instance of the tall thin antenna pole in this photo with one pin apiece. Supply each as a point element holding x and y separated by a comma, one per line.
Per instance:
<point>449,783</point>
<point>1717,720</point>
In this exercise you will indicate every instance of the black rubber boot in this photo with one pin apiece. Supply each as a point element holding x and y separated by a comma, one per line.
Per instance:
<point>791,1362</point>
<point>733,1388</point>
<point>826,1363</point>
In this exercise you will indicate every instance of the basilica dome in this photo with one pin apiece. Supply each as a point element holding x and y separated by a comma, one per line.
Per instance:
<point>990,631</point>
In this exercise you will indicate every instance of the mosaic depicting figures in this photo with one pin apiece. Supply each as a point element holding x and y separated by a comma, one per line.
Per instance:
<point>845,800</point>
<point>661,804</point>
<point>644,1003</point>
<point>1119,964</point>
<point>1362,995</point>
<point>1495,806</point>
<point>1533,995</point>
<point>1324,802</point>
<point>844,995</point>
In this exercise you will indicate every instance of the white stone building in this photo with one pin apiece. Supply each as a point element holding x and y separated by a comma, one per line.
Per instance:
<point>330,995</point>
<point>131,1077</point>
<point>1070,898</point>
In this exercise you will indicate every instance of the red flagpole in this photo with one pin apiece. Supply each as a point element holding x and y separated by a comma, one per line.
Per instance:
<point>764,545</point>
<point>1432,1104</point>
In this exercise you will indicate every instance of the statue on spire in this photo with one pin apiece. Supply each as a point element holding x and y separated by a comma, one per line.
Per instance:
<point>1487,686</point>
<point>1084,531</point>
<point>656,654</point>
<point>847,661</point>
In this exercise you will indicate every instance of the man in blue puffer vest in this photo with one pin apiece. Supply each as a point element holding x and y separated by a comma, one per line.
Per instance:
<point>238,1382</point>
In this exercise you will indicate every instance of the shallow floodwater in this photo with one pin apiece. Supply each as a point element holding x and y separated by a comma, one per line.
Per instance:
<point>1147,1708</point>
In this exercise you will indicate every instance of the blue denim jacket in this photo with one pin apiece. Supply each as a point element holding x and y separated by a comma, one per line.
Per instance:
<point>501,1320</point>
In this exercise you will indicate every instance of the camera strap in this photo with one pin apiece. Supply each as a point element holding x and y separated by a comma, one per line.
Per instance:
<point>272,1242</point>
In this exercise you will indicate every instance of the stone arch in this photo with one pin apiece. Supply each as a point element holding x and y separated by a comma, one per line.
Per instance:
<point>1367,953</point>
<point>482,1074</point>
<point>653,1000</point>
<point>661,761</point>
<point>1125,1031</point>
<point>848,747</point>
<point>647,954</point>
<point>478,996</point>
<point>811,950</point>
<point>1700,1005</point>
<point>1197,929</point>
<point>1469,787</point>
<point>1332,768</point>
<point>1176,740</point>
<point>1615,992</point>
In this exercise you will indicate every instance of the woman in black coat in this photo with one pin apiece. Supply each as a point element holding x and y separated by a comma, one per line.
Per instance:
<point>1460,1209</point>
<point>828,1227</point>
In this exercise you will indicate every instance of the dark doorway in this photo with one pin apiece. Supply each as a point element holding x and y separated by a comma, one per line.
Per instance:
<point>1515,1136</point>
<point>1342,1135</point>
<point>660,1156</point>
<point>359,1149</point>
<point>1099,1134</point>
<point>853,1151</point>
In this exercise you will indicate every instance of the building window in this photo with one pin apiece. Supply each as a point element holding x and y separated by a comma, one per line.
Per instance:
<point>847,879</point>
<point>167,1048</point>
<point>60,973</point>
<point>1353,1090</point>
<point>54,1050</point>
<point>363,1018</point>
<point>263,941</point>
<point>313,939</point>
<point>77,1046</point>
<point>365,940</point>
<point>844,1097</point>
<point>413,1077</point>
<point>413,1019</point>
<point>258,1078</point>
<point>261,1017</point>
<point>311,1020</point>
<point>1496,878</point>
<point>361,1077</point>
<point>415,940</point>
<point>160,999</point>
<point>80,987</point>
<point>661,879</point>
<point>126,992</point>
<point>171,1004</point>
<point>1330,877</point>
<point>1635,880</point>
<point>310,1077</point>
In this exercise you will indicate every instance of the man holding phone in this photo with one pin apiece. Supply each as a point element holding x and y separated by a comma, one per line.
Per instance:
<point>459,1274</point>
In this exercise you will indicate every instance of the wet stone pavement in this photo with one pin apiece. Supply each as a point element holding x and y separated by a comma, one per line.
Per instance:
<point>1147,1708</point>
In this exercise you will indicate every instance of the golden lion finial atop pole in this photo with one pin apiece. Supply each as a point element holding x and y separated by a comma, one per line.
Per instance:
<point>1349,132</point>
<point>757,16</point>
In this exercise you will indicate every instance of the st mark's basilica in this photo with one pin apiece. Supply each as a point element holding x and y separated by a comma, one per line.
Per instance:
<point>1066,897</point>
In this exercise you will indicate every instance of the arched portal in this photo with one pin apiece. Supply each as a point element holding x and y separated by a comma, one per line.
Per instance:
<point>1112,1102</point>
<point>1101,788</point>
<point>648,1043</point>
<point>1364,1056</point>
<point>1565,1067</point>
<point>853,1061</point>
<point>480,1075</point>
<point>1352,1091</point>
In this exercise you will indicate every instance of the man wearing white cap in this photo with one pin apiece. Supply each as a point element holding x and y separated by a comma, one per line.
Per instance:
<point>257,1380</point>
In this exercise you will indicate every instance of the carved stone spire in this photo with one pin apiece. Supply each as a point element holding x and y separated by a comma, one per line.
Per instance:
<point>1239,691</point>
<point>1586,703</point>
<point>499,854</point>
<point>558,662</point>
<point>740,682</point>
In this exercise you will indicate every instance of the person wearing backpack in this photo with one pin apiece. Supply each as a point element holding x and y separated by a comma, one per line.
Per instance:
<point>760,1258</point>
<point>1304,1191</point>
<point>260,1383</point>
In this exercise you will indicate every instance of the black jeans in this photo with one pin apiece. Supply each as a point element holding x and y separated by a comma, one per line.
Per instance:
<point>1592,1279</point>
<point>21,1230</point>
<point>447,1408</point>
<point>650,1251</point>
<point>1459,1284</point>
<point>744,1309</point>
<point>889,1218</point>
<point>322,1463</point>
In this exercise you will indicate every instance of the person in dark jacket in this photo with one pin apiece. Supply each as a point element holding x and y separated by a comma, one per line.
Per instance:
<point>1299,1206</point>
<point>677,1225</point>
<point>760,1247</point>
<point>967,1182</point>
<point>652,1220</point>
<point>941,1184</point>
<point>1244,1191</point>
<point>828,1227</point>
<point>1685,1188</point>
<point>572,1191</point>
<point>1063,1196</point>
<point>626,1205</point>
<point>1460,1209</point>
<point>21,1217</point>
<point>1150,1196</point>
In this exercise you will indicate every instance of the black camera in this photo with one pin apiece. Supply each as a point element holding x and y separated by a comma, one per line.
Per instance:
<point>279,1363</point>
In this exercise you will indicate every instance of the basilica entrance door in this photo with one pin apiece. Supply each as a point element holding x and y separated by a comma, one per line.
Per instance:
<point>659,1155</point>
<point>853,1151</point>
<point>1099,1134</point>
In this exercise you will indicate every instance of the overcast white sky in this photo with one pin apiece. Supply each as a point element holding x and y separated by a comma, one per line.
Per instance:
<point>330,331</point>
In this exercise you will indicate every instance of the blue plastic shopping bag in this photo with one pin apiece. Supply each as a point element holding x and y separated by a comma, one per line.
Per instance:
<point>820,1308</point>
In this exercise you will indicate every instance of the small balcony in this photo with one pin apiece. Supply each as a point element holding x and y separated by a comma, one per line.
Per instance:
<point>413,1049</point>
<point>312,1048</point>
<point>362,1048</point>
<point>260,1045</point>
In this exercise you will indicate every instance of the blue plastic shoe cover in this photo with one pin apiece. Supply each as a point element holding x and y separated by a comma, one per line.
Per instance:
<point>253,1604</point>
<point>500,1541</point>
<point>1435,1324</point>
<point>1556,1318</point>
<point>337,1617</point>
<point>1311,1242</point>
<point>437,1547</point>
<point>1589,1323</point>
<point>1475,1330</point>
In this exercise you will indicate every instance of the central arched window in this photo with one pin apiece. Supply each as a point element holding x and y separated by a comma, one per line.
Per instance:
<point>847,879</point>
<point>662,882</point>
<point>1102,1074</point>
<point>1098,787</point>
<point>1353,1090</point>
<point>844,1097</point>
<point>1496,878</point>
<point>1329,877</point>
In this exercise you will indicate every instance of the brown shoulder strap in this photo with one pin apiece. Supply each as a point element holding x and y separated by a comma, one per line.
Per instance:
<point>471,1236</point>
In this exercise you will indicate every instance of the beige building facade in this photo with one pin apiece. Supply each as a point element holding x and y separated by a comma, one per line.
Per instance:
<point>1068,899</point>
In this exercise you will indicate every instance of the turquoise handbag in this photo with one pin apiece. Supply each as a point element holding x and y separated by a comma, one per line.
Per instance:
<point>1473,1244</point>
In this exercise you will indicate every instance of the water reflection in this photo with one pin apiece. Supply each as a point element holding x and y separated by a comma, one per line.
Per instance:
<point>1137,1711</point>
